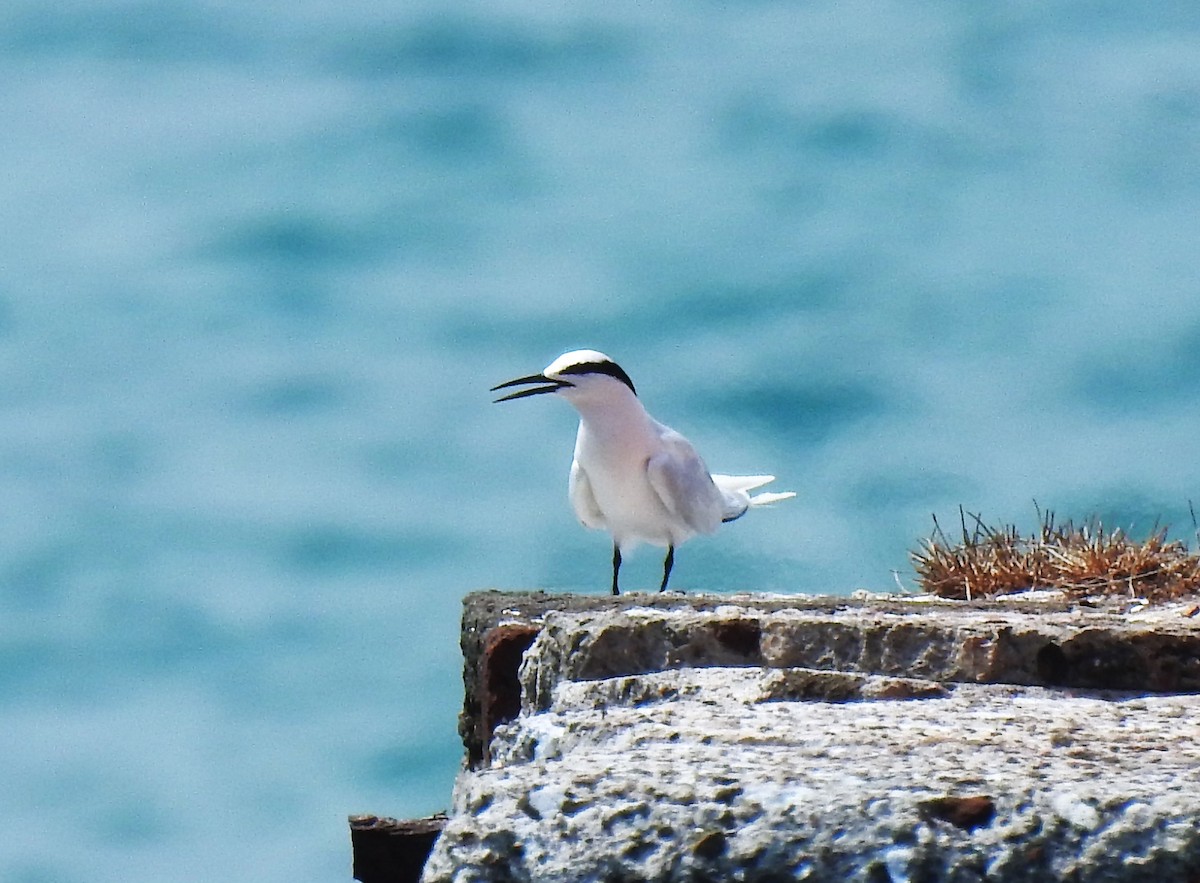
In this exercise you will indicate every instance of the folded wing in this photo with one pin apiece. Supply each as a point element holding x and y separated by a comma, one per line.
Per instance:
<point>681,480</point>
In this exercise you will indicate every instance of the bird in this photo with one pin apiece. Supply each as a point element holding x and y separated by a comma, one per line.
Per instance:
<point>632,476</point>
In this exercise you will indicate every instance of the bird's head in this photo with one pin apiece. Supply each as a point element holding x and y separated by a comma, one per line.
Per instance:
<point>577,375</point>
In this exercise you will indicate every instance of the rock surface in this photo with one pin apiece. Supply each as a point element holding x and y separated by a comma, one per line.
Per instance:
<point>741,738</point>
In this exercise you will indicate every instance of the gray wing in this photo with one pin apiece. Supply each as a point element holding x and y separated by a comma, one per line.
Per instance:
<point>682,482</point>
<point>583,501</point>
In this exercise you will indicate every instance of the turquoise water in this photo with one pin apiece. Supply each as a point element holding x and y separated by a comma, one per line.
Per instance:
<point>261,262</point>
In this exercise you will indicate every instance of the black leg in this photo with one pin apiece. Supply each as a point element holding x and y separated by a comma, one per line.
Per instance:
<point>616,567</point>
<point>667,565</point>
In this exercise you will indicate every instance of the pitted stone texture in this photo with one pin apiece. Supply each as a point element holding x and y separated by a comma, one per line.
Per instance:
<point>1040,638</point>
<point>1076,647</point>
<point>708,775</point>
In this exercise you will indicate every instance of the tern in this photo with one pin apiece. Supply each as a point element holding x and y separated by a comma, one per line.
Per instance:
<point>631,475</point>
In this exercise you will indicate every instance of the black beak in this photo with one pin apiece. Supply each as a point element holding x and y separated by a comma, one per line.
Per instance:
<point>551,386</point>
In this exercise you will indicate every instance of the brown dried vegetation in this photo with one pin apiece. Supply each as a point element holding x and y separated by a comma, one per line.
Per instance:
<point>1082,560</point>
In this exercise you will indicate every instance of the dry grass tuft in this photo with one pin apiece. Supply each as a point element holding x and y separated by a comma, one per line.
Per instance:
<point>1082,560</point>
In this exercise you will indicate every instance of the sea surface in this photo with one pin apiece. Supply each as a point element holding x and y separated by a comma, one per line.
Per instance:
<point>261,262</point>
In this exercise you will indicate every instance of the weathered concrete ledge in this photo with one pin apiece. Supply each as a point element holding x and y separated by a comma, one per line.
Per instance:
<point>1049,642</point>
<point>872,738</point>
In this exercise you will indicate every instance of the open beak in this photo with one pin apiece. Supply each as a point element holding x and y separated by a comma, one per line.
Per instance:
<point>549,386</point>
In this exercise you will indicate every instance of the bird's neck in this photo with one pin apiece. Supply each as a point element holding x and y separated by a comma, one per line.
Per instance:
<point>614,418</point>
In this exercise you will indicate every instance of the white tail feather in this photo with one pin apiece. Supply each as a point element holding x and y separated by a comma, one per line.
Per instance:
<point>768,499</point>
<point>736,492</point>
<point>741,483</point>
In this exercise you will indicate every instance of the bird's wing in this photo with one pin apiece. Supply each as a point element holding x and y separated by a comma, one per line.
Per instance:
<point>583,501</point>
<point>682,482</point>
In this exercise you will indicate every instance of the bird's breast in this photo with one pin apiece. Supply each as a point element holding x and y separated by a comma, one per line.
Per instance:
<point>616,470</point>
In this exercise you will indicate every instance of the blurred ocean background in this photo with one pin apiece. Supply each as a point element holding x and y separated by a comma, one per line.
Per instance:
<point>260,263</point>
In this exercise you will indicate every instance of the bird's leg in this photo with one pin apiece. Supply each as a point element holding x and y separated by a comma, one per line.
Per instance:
<point>667,565</point>
<point>616,567</point>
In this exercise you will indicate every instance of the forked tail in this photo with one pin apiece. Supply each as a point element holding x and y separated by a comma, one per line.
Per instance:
<point>735,489</point>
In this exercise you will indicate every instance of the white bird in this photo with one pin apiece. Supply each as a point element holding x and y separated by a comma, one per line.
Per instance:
<point>632,476</point>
